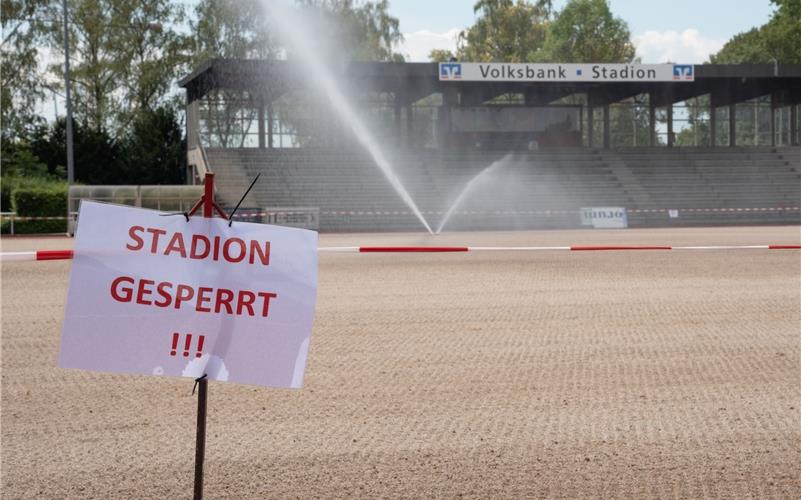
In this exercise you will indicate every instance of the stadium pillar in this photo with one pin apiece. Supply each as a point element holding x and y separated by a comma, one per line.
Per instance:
<point>732,125</point>
<point>409,124</point>
<point>651,120</point>
<point>773,103</point>
<point>191,122</point>
<point>261,121</point>
<point>450,99</point>
<point>590,127</point>
<point>270,125</point>
<point>670,140</point>
<point>192,134</point>
<point>713,125</point>
<point>398,122</point>
<point>606,126</point>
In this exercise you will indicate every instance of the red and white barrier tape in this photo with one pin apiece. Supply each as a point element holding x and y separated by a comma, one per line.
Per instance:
<point>572,248</point>
<point>245,214</point>
<point>519,212</point>
<point>68,254</point>
<point>36,255</point>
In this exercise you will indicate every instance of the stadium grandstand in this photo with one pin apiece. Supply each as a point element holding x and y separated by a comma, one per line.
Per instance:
<point>718,145</point>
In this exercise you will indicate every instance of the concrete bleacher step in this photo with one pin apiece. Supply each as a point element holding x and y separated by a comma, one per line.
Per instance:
<point>346,181</point>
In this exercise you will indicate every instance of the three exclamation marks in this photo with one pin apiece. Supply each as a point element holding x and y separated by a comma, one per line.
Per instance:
<point>187,344</point>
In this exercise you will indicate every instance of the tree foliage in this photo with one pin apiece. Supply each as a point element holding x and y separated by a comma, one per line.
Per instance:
<point>153,150</point>
<point>241,29</point>
<point>124,58</point>
<point>21,85</point>
<point>779,40</point>
<point>440,55</point>
<point>506,30</point>
<point>366,31</point>
<point>587,31</point>
<point>522,31</point>
<point>151,53</point>
<point>229,29</point>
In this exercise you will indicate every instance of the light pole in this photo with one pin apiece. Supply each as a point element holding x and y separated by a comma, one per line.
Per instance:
<point>68,90</point>
<point>67,85</point>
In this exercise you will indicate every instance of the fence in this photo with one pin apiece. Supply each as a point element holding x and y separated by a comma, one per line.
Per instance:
<point>169,198</point>
<point>300,217</point>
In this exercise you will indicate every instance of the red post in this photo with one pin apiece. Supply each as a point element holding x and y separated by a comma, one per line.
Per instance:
<point>208,195</point>
<point>207,200</point>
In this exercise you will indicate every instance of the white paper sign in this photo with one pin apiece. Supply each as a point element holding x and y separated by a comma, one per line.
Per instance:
<point>604,217</point>
<point>159,295</point>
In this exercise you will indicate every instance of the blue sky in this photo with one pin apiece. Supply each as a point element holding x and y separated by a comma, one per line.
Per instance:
<point>664,29</point>
<point>713,18</point>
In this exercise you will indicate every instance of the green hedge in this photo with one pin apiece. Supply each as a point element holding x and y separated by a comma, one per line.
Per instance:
<point>46,200</point>
<point>34,226</point>
<point>31,197</point>
<point>6,185</point>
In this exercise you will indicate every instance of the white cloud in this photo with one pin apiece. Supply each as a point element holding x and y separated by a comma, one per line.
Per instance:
<point>417,44</point>
<point>689,46</point>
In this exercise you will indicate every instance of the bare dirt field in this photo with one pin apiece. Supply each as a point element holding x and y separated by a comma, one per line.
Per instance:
<point>493,375</point>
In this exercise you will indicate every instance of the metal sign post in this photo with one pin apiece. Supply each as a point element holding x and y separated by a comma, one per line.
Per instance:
<point>202,383</point>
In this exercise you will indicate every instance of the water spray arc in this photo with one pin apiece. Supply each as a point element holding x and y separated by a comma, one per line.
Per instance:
<point>470,187</point>
<point>296,33</point>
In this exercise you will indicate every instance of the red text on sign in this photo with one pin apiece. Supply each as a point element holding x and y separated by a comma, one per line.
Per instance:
<point>201,299</point>
<point>198,246</point>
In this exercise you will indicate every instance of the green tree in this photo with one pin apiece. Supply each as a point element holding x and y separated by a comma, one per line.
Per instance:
<point>506,30</point>
<point>153,150</point>
<point>151,54</point>
<point>364,31</point>
<point>779,40</point>
<point>124,57</point>
<point>748,46</point>
<point>21,84</point>
<point>586,31</point>
<point>520,31</point>
<point>231,29</point>
<point>440,55</point>
<point>21,162</point>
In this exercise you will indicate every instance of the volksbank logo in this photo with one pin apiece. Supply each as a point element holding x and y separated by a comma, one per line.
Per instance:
<point>450,71</point>
<point>682,72</point>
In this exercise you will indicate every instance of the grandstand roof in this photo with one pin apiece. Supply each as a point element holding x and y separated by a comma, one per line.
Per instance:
<point>727,84</point>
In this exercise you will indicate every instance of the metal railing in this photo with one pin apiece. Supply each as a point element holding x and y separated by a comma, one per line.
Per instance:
<point>12,217</point>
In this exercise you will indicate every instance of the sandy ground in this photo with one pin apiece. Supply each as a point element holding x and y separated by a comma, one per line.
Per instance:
<point>555,374</point>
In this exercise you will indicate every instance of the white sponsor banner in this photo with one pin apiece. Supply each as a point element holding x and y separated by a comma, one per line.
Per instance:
<point>588,72</point>
<point>604,217</point>
<point>159,295</point>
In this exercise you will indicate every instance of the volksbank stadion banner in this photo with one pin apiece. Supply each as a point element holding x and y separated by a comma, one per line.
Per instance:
<point>589,72</point>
